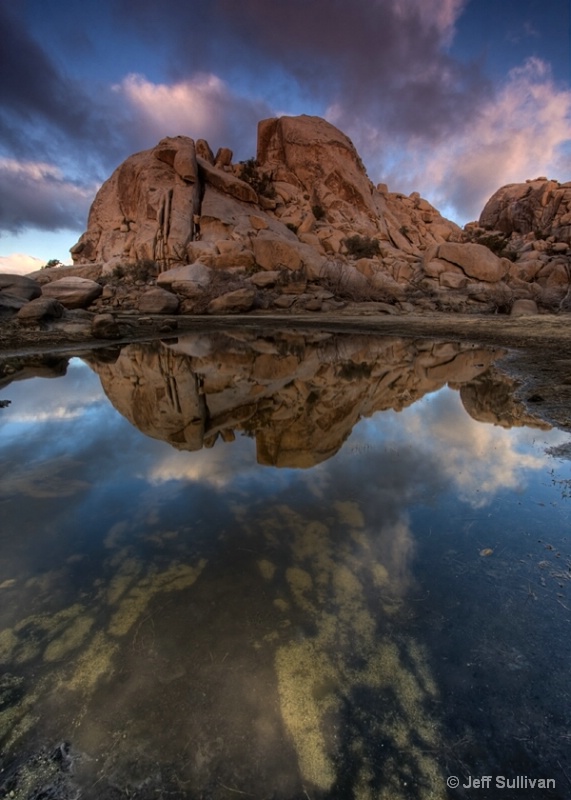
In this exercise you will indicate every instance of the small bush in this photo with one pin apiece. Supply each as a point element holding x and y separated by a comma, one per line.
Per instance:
<point>362,246</point>
<point>318,212</point>
<point>260,182</point>
<point>498,244</point>
<point>144,270</point>
<point>53,262</point>
<point>291,227</point>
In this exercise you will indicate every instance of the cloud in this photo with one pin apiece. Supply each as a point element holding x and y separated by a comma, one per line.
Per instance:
<point>479,460</point>
<point>203,107</point>
<point>20,264</point>
<point>37,194</point>
<point>521,132</point>
<point>383,61</point>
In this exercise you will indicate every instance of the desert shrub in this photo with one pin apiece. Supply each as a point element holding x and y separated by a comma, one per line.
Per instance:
<point>53,262</point>
<point>318,212</point>
<point>144,269</point>
<point>551,298</point>
<point>291,227</point>
<point>260,182</point>
<point>362,246</point>
<point>497,243</point>
<point>118,271</point>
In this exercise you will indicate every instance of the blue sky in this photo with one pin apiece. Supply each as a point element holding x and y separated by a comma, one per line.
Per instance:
<point>451,98</point>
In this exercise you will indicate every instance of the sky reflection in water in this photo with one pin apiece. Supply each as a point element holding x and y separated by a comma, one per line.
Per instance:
<point>203,624</point>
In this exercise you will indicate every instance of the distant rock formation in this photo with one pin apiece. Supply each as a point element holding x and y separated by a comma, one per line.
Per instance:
<point>540,206</point>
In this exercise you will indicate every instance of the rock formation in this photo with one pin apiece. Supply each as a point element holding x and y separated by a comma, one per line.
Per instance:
<point>540,206</point>
<point>299,396</point>
<point>302,227</point>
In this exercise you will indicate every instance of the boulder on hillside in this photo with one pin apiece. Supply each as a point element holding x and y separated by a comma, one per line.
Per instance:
<point>314,154</point>
<point>189,281</point>
<point>475,261</point>
<point>73,292</point>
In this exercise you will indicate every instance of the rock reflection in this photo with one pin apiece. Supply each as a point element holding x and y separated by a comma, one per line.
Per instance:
<point>298,395</point>
<point>251,636</point>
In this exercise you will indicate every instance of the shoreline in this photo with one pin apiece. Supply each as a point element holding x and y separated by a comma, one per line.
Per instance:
<point>494,330</point>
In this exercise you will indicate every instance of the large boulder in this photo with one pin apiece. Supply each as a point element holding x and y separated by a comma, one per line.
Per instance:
<point>158,301</point>
<point>73,292</point>
<point>19,286</point>
<point>314,154</point>
<point>474,260</point>
<point>190,280</point>
<point>272,252</point>
<point>39,310</point>
<point>233,302</point>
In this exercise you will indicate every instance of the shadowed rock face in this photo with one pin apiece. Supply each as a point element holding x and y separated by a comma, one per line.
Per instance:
<point>541,205</point>
<point>299,396</point>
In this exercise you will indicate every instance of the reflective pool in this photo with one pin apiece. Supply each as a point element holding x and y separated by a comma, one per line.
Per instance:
<point>285,566</point>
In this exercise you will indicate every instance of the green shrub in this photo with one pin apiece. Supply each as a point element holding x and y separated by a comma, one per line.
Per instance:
<point>362,246</point>
<point>53,262</point>
<point>260,182</point>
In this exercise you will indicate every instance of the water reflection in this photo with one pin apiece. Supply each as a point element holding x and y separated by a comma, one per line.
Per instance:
<point>299,396</point>
<point>196,625</point>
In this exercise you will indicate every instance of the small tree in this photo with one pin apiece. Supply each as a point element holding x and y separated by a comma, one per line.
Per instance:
<point>53,262</point>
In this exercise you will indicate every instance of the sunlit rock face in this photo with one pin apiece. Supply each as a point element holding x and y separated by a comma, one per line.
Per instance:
<point>146,209</point>
<point>306,193</point>
<point>305,204</point>
<point>298,396</point>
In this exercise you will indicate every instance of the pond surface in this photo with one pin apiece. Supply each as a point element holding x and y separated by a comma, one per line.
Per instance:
<point>282,566</point>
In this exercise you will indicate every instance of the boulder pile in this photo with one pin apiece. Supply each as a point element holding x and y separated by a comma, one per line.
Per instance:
<point>177,229</point>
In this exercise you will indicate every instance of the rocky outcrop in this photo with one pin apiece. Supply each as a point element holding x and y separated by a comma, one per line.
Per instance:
<point>298,396</point>
<point>539,206</point>
<point>304,211</point>
<point>298,207</point>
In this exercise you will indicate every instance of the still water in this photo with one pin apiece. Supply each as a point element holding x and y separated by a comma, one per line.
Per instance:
<point>285,566</point>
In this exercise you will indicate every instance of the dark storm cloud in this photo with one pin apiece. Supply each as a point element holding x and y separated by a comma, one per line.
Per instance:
<point>33,90</point>
<point>383,61</point>
<point>35,195</point>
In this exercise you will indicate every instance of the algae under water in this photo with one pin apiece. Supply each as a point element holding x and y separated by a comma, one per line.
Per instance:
<point>281,566</point>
